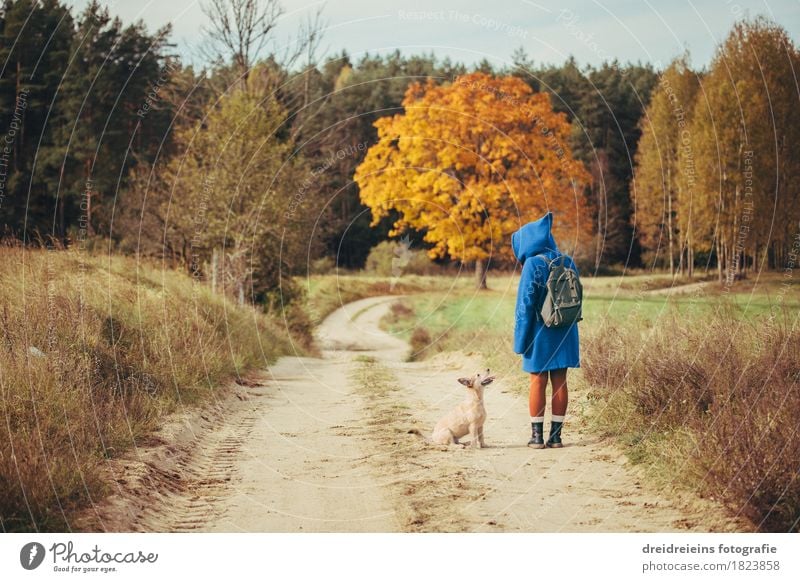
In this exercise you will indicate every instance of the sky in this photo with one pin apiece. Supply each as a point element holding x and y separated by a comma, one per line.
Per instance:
<point>470,30</point>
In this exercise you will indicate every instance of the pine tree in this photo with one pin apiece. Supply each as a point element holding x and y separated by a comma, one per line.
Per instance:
<point>34,47</point>
<point>111,115</point>
<point>606,140</point>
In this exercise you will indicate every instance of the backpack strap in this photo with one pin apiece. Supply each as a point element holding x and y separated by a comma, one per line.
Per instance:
<point>550,262</point>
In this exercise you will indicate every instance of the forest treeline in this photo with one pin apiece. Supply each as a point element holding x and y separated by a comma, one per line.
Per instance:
<point>717,174</point>
<point>242,171</point>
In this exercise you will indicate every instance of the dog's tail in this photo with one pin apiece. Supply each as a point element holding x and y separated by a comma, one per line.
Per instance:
<point>425,438</point>
<point>428,440</point>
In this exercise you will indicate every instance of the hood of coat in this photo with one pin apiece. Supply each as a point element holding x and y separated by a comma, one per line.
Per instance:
<point>534,238</point>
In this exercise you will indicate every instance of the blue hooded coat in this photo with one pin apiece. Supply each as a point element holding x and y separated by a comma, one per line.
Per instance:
<point>542,348</point>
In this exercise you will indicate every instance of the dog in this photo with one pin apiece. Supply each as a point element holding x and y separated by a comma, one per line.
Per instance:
<point>468,417</point>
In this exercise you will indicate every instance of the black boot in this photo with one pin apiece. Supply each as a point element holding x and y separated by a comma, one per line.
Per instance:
<point>554,442</point>
<point>537,435</point>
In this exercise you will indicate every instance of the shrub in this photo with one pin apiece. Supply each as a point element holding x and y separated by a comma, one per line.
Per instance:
<point>420,342</point>
<point>714,405</point>
<point>322,266</point>
<point>401,309</point>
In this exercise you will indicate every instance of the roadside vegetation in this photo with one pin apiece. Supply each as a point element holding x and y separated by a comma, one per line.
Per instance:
<point>94,352</point>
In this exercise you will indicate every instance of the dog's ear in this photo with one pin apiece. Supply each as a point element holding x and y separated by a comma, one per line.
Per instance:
<point>466,382</point>
<point>487,381</point>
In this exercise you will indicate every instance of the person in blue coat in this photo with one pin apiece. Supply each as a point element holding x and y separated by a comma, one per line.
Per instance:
<point>546,351</point>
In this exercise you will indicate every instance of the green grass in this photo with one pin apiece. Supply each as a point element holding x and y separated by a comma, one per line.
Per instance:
<point>94,352</point>
<point>449,314</point>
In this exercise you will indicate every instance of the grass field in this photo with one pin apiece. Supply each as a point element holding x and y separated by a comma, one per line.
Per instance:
<point>94,352</point>
<point>701,386</point>
<point>456,315</point>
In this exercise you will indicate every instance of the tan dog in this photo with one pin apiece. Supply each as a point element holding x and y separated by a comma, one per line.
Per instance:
<point>466,418</point>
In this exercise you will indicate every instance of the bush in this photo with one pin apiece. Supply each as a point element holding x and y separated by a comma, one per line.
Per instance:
<point>322,266</point>
<point>401,309</point>
<point>715,405</point>
<point>420,342</point>
<point>397,258</point>
<point>288,304</point>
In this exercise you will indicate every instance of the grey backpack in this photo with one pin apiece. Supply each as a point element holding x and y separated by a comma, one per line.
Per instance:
<point>563,299</point>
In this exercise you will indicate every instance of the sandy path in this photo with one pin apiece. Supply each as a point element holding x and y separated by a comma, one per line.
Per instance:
<point>305,466</point>
<point>586,486</point>
<point>324,445</point>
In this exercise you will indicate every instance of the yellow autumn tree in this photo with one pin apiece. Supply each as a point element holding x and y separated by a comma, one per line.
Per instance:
<point>469,162</point>
<point>745,129</point>
<point>664,193</point>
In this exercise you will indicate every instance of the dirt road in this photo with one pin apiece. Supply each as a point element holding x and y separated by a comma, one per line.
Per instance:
<point>323,445</point>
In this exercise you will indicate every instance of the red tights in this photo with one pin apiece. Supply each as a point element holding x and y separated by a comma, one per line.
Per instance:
<point>536,401</point>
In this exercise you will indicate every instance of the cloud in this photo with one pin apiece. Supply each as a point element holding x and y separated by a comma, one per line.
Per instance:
<point>470,30</point>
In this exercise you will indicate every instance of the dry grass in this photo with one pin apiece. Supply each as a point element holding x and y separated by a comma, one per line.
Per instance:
<point>711,405</point>
<point>93,352</point>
